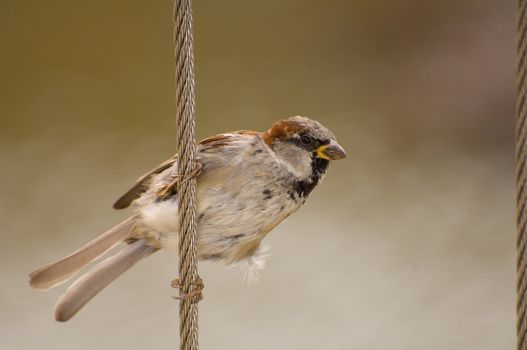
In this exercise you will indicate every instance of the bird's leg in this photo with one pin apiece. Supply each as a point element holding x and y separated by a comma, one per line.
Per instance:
<point>195,294</point>
<point>165,191</point>
<point>196,170</point>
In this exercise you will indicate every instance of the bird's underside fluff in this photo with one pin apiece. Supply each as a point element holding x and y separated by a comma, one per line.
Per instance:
<point>248,183</point>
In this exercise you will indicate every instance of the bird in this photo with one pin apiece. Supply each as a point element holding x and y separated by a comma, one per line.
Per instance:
<point>247,182</point>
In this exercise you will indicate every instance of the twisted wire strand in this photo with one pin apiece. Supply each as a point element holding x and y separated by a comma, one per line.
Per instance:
<point>521,176</point>
<point>188,274</point>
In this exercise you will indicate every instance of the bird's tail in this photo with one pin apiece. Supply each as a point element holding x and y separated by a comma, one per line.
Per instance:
<point>60,271</point>
<point>91,283</point>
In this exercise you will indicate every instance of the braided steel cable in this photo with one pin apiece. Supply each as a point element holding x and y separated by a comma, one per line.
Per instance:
<point>188,273</point>
<point>521,177</point>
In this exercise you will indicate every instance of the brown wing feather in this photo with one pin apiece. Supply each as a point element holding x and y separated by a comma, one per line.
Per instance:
<point>220,140</point>
<point>213,142</point>
<point>133,193</point>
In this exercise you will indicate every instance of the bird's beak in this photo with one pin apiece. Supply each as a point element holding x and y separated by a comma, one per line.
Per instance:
<point>331,151</point>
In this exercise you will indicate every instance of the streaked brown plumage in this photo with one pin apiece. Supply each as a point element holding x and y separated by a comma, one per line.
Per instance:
<point>248,184</point>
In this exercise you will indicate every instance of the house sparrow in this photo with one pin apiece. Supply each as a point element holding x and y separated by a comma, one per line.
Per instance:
<point>249,182</point>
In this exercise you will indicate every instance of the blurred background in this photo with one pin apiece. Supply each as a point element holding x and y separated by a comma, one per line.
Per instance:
<point>407,244</point>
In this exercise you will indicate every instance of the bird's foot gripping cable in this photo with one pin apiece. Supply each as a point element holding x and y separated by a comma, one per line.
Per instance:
<point>168,190</point>
<point>195,294</point>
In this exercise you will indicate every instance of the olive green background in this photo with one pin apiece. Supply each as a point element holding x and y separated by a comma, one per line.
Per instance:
<point>407,244</point>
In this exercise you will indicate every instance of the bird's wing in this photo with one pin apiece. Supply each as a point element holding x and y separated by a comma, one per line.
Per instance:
<point>142,184</point>
<point>217,142</point>
<point>210,144</point>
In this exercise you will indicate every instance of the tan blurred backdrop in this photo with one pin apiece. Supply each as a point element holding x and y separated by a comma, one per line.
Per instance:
<point>408,243</point>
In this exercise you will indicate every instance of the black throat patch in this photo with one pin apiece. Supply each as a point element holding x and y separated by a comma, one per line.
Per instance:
<point>318,169</point>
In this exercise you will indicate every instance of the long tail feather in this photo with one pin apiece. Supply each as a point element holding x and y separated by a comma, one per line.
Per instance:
<point>87,286</point>
<point>60,271</point>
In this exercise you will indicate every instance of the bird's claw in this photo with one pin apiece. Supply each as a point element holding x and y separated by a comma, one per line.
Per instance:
<point>165,191</point>
<point>195,295</point>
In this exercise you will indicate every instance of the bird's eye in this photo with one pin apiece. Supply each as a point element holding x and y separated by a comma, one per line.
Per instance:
<point>306,140</point>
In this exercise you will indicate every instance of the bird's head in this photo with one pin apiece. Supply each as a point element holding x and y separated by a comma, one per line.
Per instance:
<point>306,145</point>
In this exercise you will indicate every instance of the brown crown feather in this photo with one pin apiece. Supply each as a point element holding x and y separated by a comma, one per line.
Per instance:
<point>281,129</point>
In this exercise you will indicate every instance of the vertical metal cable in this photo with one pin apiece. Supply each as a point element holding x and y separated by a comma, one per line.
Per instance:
<point>188,274</point>
<point>521,177</point>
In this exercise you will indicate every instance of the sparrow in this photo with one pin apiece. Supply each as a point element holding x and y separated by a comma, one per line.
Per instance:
<point>247,183</point>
